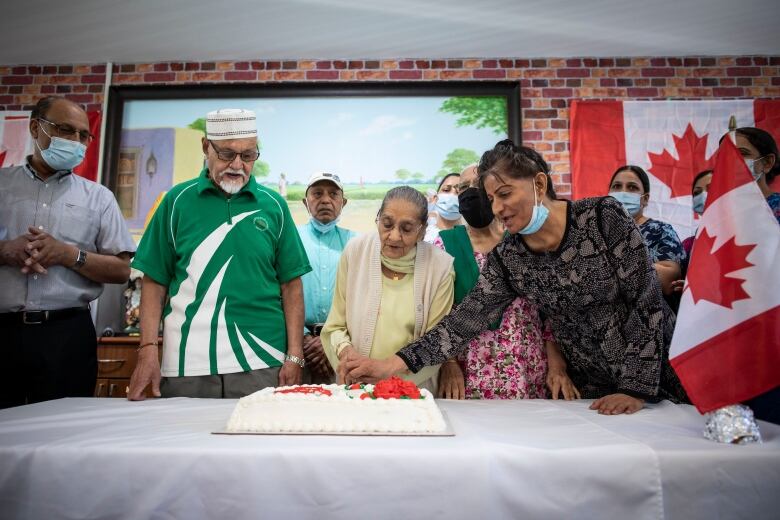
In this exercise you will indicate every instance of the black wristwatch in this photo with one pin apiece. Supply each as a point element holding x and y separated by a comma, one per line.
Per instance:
<point>80,260</point>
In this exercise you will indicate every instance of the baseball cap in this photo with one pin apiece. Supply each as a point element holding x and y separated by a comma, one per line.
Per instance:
<point>323,176</point>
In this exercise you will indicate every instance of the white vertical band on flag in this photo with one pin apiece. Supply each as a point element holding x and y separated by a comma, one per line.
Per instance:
<point>650,127</point>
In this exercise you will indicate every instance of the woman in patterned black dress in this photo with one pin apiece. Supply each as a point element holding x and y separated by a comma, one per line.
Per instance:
<point>584,264</point>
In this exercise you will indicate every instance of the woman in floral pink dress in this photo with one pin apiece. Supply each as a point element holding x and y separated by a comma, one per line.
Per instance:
<point>509,360</point>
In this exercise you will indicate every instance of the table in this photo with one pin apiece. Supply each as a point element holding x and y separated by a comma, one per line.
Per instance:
<point>110,458</point>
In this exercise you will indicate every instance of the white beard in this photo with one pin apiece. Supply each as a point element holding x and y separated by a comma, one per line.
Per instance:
<point>231,188</point>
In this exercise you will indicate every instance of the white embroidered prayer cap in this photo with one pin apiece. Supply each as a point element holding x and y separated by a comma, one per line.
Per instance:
<point>230,123</point>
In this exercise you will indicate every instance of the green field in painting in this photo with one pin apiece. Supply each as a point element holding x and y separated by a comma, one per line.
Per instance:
<point>354,191</point>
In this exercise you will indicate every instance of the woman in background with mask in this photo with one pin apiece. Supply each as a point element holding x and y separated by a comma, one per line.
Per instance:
<point>584,265</point>
<point>760,152</point>
<point>701,183</point>
<point>631,187</point>
<point>509,359</point>
<point>445,207</point>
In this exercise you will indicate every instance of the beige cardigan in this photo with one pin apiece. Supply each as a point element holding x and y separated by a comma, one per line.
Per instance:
<point>362,293</point>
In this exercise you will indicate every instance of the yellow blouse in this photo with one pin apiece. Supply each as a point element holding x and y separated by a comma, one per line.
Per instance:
<point>395,324</point>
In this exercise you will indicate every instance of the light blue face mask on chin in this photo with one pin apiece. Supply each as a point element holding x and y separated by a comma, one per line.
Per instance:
<point>538,215</point>
<point>62,154</point>
<point>630,201</point>
<point>324,228</point>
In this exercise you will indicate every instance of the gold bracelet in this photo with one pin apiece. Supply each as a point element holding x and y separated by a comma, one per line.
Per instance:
<point>146,345</point>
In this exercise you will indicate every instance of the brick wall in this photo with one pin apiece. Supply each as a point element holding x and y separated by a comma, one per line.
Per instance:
<point>548,85</point>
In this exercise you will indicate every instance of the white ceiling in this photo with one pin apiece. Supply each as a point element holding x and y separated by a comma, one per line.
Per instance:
<point>123,31</point>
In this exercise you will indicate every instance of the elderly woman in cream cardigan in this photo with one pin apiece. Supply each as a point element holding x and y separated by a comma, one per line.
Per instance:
<point>391,287</point>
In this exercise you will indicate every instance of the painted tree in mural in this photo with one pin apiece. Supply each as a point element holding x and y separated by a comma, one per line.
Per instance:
<point>260,169</point>
<point>403,174</point>
<point>199,124</point>
<point>481,112</point>
<point>455,161</point>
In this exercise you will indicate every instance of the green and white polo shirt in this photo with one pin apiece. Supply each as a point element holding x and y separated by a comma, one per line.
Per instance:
<point>223,260</point>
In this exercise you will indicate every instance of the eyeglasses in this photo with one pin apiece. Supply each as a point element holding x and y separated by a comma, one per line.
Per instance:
<point>247,156</point>
<point>463,186</point>
<point>68,131</point>
<point>406,229</point>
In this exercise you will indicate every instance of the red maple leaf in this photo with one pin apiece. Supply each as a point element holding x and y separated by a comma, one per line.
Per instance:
<point>678,173</point>
<point>710,278</point>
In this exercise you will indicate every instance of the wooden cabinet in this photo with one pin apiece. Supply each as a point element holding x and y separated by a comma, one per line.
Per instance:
<point>112,388</point>
<point>116,361</point>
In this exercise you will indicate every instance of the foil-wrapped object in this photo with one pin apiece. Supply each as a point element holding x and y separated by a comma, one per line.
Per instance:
<point>733,424</point>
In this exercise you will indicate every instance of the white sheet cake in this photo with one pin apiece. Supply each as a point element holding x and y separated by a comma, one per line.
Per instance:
<point>334,409</point>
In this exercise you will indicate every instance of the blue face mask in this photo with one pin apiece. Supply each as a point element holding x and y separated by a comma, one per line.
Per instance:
<point>447,206</point>
<point>324,228</point>
<point>62,154</point>
<point>538,216</point>
<point>630,201</point>
<point>754,165</point>
<point>698,202</point>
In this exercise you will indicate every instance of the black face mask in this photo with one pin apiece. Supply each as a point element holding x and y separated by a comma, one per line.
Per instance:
<point>475,208</point>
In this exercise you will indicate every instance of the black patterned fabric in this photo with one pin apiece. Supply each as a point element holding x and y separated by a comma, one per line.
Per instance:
<point>599,291</point>
<point>662,241</point>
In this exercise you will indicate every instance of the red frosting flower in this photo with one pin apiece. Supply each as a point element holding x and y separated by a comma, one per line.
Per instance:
<point>395,388</point>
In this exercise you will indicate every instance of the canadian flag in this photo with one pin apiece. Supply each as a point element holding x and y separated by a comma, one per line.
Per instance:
<point>671,140</point>
<point>89,166</point>
<point>15,142</point>
<point>726,344</point>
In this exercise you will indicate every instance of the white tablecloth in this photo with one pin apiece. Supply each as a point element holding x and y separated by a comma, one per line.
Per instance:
<point>110,458</point>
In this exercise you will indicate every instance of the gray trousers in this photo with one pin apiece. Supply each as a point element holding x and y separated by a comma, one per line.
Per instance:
<point>229,386</point>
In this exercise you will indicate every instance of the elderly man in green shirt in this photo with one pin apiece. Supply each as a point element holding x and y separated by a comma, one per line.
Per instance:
<point>226,253</point>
